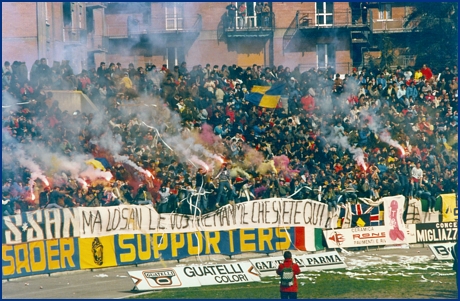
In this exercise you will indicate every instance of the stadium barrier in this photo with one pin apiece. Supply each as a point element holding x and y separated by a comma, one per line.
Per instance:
<point>57,240</point>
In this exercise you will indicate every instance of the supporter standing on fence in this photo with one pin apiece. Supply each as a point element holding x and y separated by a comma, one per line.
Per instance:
<point>231,15</point>
<point>266,15</point>
<point>242,15</point>
<point>416,178</point>
<point>224,183</point>
<point>258,10</point>
<point>201,198</point>
<point>288,271</point>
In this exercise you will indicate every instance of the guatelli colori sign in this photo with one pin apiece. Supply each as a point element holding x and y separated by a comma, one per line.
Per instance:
<point>194,275</point>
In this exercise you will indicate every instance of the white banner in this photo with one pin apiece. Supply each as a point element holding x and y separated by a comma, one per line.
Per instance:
<point>395,228</point>
<point>306,262</point>
<point>222,273</point>
<point>414,212</point>
<point>194,275</point>
<point>40,225</point>
<point>161,279</point>
<point>267,213</point>
<point>365,236</point>
<point>442,251</point>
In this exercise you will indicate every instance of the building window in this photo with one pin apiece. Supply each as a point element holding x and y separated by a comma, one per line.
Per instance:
<point>324,13</point>
<point>325,55</point>
<point>174,14</point>
<point>385,11</point>
<point>67,13</point>
<point>174,56</point>
<point>247,17</point>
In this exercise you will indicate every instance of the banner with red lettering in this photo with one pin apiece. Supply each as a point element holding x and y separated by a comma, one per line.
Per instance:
<point>365,237</point>
<point>395,229</point>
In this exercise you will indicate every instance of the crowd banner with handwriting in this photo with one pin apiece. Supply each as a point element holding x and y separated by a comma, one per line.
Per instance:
<point>274,212</point>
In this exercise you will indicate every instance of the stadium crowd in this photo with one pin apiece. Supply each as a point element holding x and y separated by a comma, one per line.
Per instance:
<point>332,137</point>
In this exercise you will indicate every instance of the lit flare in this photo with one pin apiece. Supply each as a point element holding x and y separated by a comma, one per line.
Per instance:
<point>149,174</point>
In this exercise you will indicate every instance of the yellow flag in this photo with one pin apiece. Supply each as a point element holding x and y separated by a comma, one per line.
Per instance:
<point>97,252</point>
<point>449,207</point>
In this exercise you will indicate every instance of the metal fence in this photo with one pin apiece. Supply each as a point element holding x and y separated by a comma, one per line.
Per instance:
<point>250,22</point>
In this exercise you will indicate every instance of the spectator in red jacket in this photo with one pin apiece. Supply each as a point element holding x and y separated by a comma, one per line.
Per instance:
<point>308,101</point>
<point>26,89</point>
<point>289,292</point>
<point>427,73</point>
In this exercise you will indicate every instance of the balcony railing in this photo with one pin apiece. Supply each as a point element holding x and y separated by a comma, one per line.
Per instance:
<point>74,35</point>
<point>338,18</point>
<point>249,23</point>
<point>162,24</point>
<point>390,25</point>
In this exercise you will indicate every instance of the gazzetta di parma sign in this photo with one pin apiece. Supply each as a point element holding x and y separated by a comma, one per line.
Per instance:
<point>306,262</point>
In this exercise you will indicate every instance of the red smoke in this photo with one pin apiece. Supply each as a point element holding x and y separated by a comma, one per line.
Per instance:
<point>281,162</point>
<point>207,135</point>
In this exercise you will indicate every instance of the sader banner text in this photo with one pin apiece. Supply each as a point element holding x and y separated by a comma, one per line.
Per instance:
<point>40,257</point>
<point>65,254</point>
<point>275,212</point>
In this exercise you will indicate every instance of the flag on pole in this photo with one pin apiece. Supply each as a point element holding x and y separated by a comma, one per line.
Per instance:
<point>265,96</point>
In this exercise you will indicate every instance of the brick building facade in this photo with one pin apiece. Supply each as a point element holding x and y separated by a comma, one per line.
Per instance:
<point>305,34</point>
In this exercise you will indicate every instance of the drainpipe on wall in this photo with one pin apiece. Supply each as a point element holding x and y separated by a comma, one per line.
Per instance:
<point>41,29</point>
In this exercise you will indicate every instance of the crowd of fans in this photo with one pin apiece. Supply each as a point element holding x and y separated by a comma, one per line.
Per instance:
<point>333,129</point>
